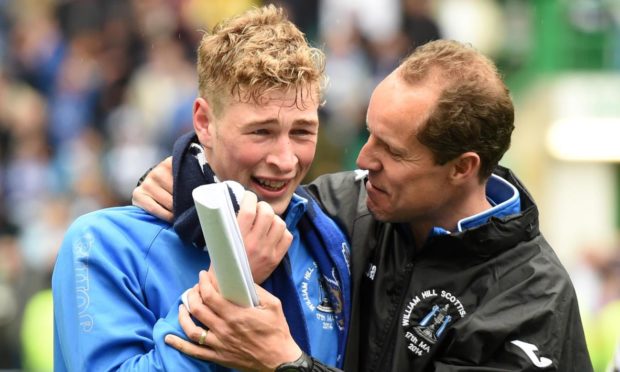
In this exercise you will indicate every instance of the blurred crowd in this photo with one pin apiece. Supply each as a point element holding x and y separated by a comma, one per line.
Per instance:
<point>94,92</point>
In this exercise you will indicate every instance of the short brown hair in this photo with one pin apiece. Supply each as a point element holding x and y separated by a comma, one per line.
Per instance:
<point>255,53</point>
<point>474,111</point>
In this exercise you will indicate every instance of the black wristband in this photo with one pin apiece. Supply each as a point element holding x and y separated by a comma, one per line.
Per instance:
<point>303,364</point>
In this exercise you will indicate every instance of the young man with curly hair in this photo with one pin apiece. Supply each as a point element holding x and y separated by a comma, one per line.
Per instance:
<point>121,272</point>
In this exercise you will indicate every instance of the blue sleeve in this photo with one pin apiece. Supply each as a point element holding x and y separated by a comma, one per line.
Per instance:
<point>102,320</point>
<point>170,325</point>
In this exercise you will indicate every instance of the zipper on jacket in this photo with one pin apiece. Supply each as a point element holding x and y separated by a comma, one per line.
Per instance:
<point>385,355</point>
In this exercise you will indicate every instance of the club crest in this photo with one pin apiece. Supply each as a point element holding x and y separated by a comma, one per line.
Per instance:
<point>326,303</point>
<point>426,318</point>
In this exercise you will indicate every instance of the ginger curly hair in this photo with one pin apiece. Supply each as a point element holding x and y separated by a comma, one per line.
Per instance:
<point>257,52</point>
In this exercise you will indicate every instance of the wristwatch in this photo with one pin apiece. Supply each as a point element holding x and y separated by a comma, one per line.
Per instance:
<point>303,364</point>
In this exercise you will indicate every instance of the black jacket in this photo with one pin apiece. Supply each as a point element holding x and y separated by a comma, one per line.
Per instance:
<point>492,298</point>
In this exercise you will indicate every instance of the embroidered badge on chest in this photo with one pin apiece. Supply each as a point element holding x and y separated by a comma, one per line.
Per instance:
<point>318,294</point>
<point>426,318</point>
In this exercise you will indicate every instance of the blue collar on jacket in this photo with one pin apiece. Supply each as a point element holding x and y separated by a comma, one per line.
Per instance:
<point>505,201</point>
<point>295,210</point>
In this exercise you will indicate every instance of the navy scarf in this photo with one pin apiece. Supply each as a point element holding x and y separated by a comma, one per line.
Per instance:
<point>326,242</point>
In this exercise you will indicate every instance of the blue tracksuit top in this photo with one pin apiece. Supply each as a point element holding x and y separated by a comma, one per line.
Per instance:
<point>117,284</point>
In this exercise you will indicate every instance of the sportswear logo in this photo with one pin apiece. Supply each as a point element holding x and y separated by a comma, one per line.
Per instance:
<point>529,350</point>
<point>371,271</point>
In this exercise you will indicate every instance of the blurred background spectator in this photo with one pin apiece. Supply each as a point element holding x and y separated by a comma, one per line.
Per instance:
<point>93,92</point>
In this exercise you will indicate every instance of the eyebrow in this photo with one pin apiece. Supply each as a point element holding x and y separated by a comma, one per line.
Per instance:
<point>306,122</point>
<point>272,122</point>
<point>262,122</point>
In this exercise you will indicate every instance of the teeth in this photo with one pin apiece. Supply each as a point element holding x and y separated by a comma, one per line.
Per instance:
<point>272,184</point>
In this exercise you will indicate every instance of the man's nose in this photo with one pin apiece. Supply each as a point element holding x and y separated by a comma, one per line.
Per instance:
<point>283,155</point>
<point>366,158</point>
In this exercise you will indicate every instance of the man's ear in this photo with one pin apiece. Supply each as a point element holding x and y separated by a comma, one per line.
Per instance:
<point>465,167</point>
<point>203,119</point>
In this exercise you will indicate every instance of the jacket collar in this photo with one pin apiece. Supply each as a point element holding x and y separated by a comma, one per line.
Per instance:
<point>498,232</point>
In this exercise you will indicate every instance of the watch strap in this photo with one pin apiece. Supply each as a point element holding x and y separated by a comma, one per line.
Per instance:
<point>303,364</point>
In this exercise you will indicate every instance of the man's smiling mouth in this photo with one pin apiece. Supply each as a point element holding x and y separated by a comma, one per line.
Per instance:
<point>271,184</point>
